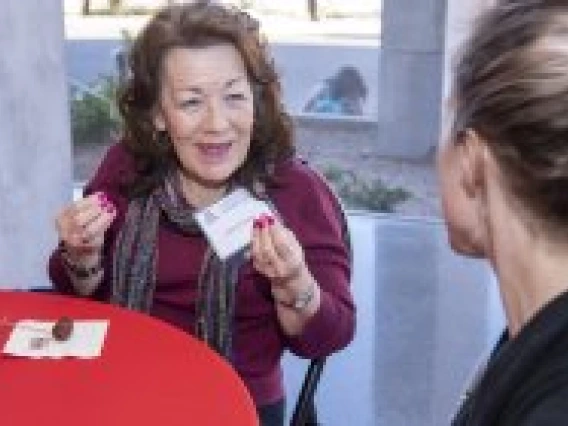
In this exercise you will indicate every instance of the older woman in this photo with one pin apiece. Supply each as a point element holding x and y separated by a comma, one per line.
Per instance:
<point>202,115</point>
<point>504,175</point>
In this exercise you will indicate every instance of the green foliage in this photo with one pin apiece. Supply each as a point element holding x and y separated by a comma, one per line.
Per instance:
<point>94,116</point>
<point>360,194</point>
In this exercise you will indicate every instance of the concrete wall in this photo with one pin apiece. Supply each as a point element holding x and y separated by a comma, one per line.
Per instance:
<point>35,150</point>
<point>411,75</point>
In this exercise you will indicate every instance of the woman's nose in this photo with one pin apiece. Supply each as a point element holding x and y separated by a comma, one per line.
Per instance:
<point>216,117</point>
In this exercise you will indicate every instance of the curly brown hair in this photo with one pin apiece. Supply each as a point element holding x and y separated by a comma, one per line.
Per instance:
<point>201,24</point>
<point>511,86</point>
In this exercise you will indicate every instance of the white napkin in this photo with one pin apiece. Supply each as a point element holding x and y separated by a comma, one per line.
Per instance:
<point>86,340</point>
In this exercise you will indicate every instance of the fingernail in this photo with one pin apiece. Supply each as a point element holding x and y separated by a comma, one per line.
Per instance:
<point>269,220</point>
<point>103,199</point>
<point>256,224</point>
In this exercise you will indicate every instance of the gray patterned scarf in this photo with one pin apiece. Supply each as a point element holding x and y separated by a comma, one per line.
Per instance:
<point>134,263</point>
<point>135,258</point>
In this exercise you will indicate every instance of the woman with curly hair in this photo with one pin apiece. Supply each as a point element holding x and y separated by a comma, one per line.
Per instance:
<point>202,117</point>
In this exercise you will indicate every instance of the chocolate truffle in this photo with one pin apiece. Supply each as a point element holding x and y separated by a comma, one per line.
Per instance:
<point>62,329</point>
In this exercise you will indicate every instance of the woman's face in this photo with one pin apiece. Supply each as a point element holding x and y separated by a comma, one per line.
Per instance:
<point>206,106</point>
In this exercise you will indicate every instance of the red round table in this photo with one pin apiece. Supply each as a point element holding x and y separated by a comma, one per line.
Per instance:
<point>149,373</point>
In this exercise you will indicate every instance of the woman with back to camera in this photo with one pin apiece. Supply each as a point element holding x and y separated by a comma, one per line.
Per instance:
<point>202,115</point>
<point>504,176</point>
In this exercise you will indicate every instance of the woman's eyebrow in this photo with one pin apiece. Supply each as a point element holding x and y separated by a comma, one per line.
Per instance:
<point>199,90</point>
<point>234,81</point>
<point>193,89</point>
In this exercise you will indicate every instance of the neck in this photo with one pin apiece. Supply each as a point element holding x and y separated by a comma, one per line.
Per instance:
<point>528,283</point>
<point>531,269</point>
<point>200,194</point>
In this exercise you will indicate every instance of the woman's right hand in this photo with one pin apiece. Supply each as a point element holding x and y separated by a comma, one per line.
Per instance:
<point>82,225</point>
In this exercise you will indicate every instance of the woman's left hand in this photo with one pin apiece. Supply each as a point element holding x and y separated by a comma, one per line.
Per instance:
<point>277,254</point>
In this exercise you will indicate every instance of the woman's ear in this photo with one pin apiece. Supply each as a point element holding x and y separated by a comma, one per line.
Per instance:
<point>472,162</point>
<point>473,165</point>
<point>159,120</point>
<point>464,201</point>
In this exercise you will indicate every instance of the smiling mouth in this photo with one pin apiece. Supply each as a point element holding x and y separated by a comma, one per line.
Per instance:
<point>213,151</point>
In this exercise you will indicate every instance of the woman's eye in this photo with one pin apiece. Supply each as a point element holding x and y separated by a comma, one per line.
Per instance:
<point>236,97</point>
<point>189,103</point>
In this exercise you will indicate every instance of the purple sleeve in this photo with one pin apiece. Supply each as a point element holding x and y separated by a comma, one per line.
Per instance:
<point>109,177</point>
<point>315,218</point>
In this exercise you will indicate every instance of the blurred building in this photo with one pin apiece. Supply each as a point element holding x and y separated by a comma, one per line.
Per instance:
<point>325,8</point>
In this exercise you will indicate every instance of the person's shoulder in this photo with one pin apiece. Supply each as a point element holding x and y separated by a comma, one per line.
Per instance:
<point>118,155</point>
<point>302,185</point>
<point>307,203</point>
<point>550,408</point>
<point>116,167</point>
<point>319,94</point>
<point>541,400</point>
<point>296,174</point>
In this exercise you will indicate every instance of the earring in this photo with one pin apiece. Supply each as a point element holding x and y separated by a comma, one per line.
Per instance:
<point>160,137</point>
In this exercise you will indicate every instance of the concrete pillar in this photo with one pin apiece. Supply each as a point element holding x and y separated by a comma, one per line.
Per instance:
<point>411,70</point>
<point>35,148</point>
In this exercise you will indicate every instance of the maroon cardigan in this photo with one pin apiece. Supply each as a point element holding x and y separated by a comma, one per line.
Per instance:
<point>308,208</point>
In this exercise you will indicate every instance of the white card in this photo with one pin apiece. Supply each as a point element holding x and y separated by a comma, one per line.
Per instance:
<point>228,223</point>
<point>86,340</point>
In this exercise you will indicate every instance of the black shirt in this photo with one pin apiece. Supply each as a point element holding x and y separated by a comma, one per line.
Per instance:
<point>526,379</point>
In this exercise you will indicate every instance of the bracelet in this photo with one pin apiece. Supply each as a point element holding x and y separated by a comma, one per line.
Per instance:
<point>302,300</point>
<point>80,271</point>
